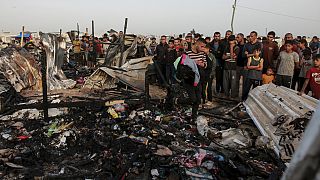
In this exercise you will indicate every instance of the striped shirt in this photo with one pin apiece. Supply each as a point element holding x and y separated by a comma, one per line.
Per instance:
<point>199,58</point>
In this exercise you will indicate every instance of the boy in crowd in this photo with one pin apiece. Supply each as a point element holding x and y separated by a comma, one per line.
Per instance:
<point>248,52</point>
<point>306,64</point>
<point>287,61</point>
<point>170,59</point>
<point>230,69</point>
<point>268,77</point>
<point>313,77</point>
<point>254,76</point>
<point>295,48</point>
<point>209,75</point>
<point>208,40</point>
<point>92,56</point>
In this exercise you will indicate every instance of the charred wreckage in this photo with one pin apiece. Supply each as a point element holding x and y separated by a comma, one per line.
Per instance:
<point>59,121</point>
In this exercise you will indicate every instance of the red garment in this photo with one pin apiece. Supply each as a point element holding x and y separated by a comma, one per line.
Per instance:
<point>314,79</point>
<point>99,48</point>
<point>178,47</point>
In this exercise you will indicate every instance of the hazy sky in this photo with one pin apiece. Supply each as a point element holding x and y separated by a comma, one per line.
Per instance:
<point>162,16</point>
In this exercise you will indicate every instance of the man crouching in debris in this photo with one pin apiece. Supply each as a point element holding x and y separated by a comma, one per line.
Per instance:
<point>189,77</point>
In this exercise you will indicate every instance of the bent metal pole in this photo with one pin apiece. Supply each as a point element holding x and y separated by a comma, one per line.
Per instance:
<point>233,12</point>
<point>122,41</point>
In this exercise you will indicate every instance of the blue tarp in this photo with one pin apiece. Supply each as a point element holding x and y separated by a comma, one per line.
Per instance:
<point>25,35</point>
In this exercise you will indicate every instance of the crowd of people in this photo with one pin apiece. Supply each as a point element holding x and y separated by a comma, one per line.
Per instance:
<point>234,60</point>
<point>87,49</point>
<point>195,61</point>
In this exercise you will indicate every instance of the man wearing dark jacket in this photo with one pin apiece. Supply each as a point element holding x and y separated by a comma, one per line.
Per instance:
<point>270,52</point>
<point>220,64</point>
<point>170,59</point>
<point>160,60</point>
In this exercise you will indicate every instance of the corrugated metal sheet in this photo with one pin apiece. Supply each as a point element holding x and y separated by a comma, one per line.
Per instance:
<point>131,73</point>
<point>20,68</point>
<point>267,102</point>
<point>304,164</point>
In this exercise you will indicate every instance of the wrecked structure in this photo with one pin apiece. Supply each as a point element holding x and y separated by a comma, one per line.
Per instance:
<point>20,68</point>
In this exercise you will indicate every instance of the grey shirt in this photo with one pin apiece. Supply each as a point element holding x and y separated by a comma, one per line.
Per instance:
<point>287,62</point>
<point>306,65</point>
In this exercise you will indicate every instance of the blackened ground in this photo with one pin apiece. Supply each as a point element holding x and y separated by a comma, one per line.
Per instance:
<point>98,148</point>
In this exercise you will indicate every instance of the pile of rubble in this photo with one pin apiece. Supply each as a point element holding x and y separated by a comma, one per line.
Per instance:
<point>123,140</point>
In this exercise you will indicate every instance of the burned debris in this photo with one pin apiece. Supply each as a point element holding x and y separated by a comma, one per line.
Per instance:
<point>115,121</point>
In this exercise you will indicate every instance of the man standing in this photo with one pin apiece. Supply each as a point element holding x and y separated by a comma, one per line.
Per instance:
<point>189,41</point>
<point>161,52</point>
<point>214,46</point>
<point>223,44</point>
<point>240,59</point>
<point>77,50</point>
<point>289,37</point>
<point>270,52</point>
<point>248,52</point>
<point>230,69</point>
<point>153,45</point>
<point>177,44</point>
<point>198,56</point>
<point>315,45</point>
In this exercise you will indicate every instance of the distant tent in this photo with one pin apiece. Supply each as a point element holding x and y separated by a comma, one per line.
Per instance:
<point>25,35</point>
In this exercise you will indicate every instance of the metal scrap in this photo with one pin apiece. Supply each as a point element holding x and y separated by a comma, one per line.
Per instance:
<point>277,112</point>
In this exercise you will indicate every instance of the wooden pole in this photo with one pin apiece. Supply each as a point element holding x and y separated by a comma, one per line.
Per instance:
<point>22,35</point>
<point>92,23</point>
<point>78,29</point>
<point>122,41</point>
<point>44,85</point>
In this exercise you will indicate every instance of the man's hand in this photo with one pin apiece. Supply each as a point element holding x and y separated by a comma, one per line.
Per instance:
<point>301,93</point>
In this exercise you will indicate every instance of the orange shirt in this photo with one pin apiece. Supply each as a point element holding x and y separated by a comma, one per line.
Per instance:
<point>267,79</point>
